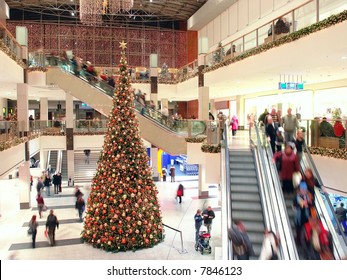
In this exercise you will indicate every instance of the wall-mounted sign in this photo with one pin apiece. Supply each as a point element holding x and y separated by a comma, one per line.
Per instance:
<point>291,86</point>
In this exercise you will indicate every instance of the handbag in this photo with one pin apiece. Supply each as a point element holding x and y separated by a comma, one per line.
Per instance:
<point>30,230</point>
<point>44,208</point>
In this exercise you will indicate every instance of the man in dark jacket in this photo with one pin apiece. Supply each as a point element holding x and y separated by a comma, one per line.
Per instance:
<point>51,224</point>
<point>208,215</point>
<point>242,245</point>
<point>341,213</point>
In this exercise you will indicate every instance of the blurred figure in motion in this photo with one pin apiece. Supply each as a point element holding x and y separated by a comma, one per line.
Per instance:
<point>80,206</point>
<point>341,213</point>
<point>316,241</point>
<point>33,224</point>
<point>270,246</point>
<point>198,222</point>
<point>242,245</point>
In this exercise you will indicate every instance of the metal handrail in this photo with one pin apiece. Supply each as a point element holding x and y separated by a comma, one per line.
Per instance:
<point>330,206</point>
<point>183,251</point>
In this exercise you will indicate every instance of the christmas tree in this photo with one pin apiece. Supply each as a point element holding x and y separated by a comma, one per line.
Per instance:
<point>164,73</point>
<point>123,211</point>
<point>219,54</point>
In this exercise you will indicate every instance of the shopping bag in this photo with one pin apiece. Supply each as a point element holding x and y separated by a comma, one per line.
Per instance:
<point>44,208</point>
<point>46,233</point>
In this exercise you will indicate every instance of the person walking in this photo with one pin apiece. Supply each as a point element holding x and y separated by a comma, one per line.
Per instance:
<point>341,213</point>
<point>40,204</point>
<point>234,123</point>
<point>198,222</point>
<point>39,185</point>
<point>33,224</point>
<point>270,246</point>
<point>164,173</point>
<point>51,224</point>
<point>172,173</point>
<point>80,206</point>
<point>208,215</point>
<point>179,193</point>
<point>87,155</point>
<point>59,180</point>
<point>289,123</point>
<point>55,183</point>
<point>47,183</point>
<point>242,245</point>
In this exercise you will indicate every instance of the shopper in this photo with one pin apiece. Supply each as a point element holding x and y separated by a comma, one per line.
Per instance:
<point>289,123</point>
<point>242,245</point>
<point>172,173</point>
<point>51,224</point>
<point>341,213</point>
<point>33,224</point>
<point>198,222</point>
<point>179,193</point>
<point>80,206</point>
<point>208,215</point>
<point>270,246</point>
<point>40,204</point>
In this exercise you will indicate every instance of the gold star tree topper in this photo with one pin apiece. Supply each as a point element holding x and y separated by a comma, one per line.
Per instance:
<point>123,45</point>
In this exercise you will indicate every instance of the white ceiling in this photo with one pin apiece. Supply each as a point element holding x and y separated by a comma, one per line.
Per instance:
<point>319,59</point>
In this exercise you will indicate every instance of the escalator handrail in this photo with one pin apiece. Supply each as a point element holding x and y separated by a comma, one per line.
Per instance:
<point>331,208</point>
<point>228,220</point>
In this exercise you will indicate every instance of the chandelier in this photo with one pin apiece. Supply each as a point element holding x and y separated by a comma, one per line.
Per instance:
<point>91,11</point>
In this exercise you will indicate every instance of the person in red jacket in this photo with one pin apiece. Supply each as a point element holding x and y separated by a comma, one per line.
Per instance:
<point>179,193</point>
<point>339,130</point>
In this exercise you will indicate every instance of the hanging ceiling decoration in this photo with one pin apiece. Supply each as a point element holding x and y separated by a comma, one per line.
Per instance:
<point>91,11</point>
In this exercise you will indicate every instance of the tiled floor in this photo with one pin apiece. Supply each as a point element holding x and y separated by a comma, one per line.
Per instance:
<point>16,244</point>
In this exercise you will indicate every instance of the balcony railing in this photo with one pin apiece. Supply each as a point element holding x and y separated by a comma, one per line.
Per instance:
<point>10,46</point>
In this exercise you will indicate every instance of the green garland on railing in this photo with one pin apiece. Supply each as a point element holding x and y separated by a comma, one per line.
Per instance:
<point>213,149</point>
<point>37,68</point>
<point>9,53</point>
<point>4,145</point>
<point>329,152</point>
<point>328,22</point>
<point>195,139</point>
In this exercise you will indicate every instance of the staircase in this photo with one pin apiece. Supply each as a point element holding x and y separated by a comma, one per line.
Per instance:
<point>53,160</point>
<point>245,198</point>
<point>64,166</point>
<point>84,173</point>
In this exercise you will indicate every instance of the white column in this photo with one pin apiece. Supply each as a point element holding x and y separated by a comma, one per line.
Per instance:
<point>69,107</point>
<point>240,108</point>
<point>164,103</point>
<point>154,162</point>
<point>23,108</point>
<point>24,185</point>
<point>44,109</point>
<point>203,186</point>
<point>43,159</point>
<point>213,108</point>
<point>204,102</point>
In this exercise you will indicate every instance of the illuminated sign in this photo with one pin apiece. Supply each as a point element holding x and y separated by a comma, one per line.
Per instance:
<point>290,86</point>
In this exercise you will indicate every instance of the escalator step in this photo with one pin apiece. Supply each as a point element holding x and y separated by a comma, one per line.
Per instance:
<point>244,188</point>
<point>251,206</point>
<point>247,216</point>
<point>243,180</point>
<point>248,197</point>
<point>244,173</point>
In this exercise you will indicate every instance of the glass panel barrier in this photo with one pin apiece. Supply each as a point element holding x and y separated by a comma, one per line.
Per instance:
<point>305,16</point>
<point>10,42</point>
<point>331,7</point>
<point>250,40</point>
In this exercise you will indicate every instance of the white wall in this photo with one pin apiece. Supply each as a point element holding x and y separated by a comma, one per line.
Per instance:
<point>244,16</point>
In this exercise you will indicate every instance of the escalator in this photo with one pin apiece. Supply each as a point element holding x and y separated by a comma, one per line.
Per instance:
<point>52,160</point>
<point>151,122</point>
<point>324,210</point>
<point>63,170</point>
<point>251,197</point>
<point>246,203</point>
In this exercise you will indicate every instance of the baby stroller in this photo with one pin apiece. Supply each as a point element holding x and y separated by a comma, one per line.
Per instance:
<point>203,244</point>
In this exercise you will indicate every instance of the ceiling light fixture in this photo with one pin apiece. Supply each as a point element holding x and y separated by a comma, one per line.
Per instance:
<point>91,11</point>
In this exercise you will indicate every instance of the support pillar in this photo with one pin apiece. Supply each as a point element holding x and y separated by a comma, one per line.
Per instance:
<point>44,109</point>
<point>154,163</point>
<point>154,78</point>
<point>213,108</point>
<point>240,108</point>
<point>69,136</point>
<point>22,109</point>
<point>24,185</point>
<point>204,101</point>
<point>164,103</point>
